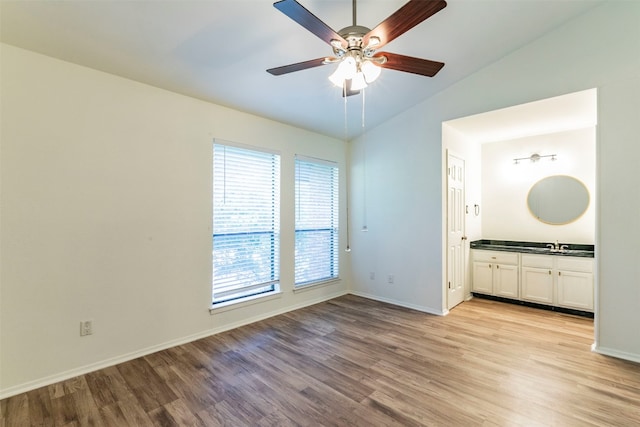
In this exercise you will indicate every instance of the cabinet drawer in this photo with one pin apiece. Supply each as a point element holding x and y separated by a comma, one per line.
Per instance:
<point>575,264</point>
<point>496,257</point>
<point>538,261</point>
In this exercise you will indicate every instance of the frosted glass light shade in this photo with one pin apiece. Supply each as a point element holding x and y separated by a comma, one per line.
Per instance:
<point>358,82</point>
<point>371,71</point>
<point>336,79</point>
<point>345,71</point>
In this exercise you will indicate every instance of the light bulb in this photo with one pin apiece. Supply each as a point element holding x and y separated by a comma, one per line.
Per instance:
<point>371,71</point>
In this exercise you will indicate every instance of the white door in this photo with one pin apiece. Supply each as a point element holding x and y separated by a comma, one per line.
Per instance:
<point>455,231</point>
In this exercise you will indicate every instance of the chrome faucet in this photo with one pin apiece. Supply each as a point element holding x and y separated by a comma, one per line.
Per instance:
<point>555,247</point>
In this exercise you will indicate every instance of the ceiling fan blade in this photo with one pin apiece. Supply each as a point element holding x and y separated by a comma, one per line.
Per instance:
<point>308,20</point>
<point>278,71</point>
<point>404,19</point>
<point>409,64</point>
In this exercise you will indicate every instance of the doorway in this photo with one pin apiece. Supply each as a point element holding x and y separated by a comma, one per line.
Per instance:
<point>493,212</point>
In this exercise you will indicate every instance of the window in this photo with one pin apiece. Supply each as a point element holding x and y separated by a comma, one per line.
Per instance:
<point>246,223</point>
<point>316,252</point>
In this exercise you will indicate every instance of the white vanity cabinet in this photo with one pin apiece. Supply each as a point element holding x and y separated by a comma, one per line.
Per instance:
<point>554,280</point>
<point>537,278</point>
<point>574,283</point>
<point>496,273</point>
<point>557,280</point>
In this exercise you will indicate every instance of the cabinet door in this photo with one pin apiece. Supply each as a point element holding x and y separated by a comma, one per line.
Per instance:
<point>505,280</point>
<point>575,290</point>
<point>483,277</point>
<point>537,285</point>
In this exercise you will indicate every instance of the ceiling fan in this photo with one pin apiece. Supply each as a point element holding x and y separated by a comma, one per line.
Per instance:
<point>354,47</point>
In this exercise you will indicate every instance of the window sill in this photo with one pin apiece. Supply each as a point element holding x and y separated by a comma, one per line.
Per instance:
<point>316,285</point>
<point>232,305</point>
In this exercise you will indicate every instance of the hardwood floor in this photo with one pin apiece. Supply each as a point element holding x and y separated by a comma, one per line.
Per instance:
<point>357,362</point>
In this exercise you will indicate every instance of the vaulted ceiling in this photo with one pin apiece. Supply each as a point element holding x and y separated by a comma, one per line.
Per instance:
<point>218,50</point>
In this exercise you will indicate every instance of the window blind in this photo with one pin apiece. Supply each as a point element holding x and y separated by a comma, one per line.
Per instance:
<point>316,221</point>
<point>246,222</point>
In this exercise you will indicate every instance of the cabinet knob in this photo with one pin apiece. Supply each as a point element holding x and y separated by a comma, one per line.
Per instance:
<point>549,272</point>
<point>497,266</point>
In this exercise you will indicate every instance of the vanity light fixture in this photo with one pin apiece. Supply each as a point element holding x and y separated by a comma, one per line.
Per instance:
<point>535,157</point>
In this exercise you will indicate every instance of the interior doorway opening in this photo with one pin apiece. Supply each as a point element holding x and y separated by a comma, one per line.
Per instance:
<point>495,190</point>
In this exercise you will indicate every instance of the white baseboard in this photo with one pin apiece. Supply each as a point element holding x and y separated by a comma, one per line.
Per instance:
<point>632,357</point>
<point>424,309</point>
<point>62,376</point>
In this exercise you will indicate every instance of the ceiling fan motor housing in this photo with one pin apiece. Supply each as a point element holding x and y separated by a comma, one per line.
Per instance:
<point>354,36</point>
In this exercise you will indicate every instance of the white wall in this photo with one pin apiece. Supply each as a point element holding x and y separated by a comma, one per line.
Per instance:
<point>618,228</point>
<point>106,215</point>
<point>395,172</point>
<point>600,49</point>
<point>506,185</point>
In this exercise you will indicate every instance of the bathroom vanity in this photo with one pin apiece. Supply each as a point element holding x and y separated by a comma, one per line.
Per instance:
<point>553,276</point>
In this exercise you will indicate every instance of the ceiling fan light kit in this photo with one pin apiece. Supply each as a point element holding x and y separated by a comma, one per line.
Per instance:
<point>354,47</point>
<point>356,61</point>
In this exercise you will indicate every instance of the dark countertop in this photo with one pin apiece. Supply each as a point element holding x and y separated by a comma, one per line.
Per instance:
<point>539,248</point>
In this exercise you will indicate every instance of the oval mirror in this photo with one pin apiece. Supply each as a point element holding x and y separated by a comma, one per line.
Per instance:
<point>558,199</point>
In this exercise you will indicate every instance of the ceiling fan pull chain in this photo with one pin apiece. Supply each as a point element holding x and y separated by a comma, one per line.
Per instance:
<point>346,130</point>
<point>363,96</point>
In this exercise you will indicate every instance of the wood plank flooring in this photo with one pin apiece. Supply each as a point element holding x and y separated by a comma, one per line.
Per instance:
<point>357,362</point>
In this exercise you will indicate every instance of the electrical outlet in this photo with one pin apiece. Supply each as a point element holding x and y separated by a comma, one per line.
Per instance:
<point>372,276</point>
<point>86,327</point>
<point>390,279</point>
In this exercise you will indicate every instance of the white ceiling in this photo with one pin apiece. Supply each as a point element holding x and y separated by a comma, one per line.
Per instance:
<point>218,50</point>
<point>577,110</point>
